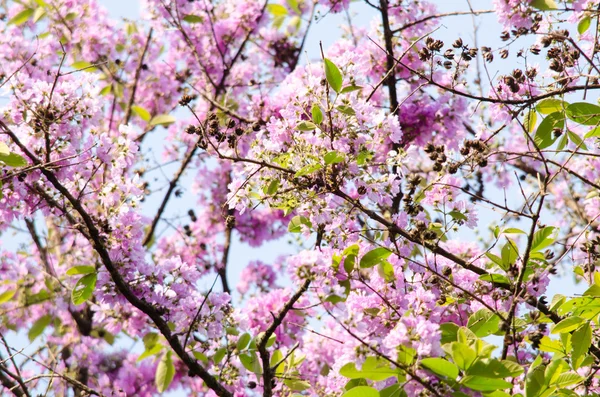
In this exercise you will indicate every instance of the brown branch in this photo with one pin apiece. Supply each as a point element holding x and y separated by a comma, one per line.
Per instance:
<point>262,343</point>
<point>136,78</point>
<point>222,270</point>
<point>95,239</point>
<point>435,16</point>
<point>10,384</point>
<point>172,185</point>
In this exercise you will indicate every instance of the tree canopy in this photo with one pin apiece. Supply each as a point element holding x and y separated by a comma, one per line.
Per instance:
<point>432,187</point>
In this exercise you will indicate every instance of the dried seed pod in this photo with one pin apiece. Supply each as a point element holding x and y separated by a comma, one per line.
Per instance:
<point>185,100</point>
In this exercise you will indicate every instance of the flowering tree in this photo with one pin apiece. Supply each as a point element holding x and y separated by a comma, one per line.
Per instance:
<point>381,156</point>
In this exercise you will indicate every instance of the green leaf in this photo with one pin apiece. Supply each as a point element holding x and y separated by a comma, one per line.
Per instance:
<point>334,157</point>
<point>496,259</point>
<point>495,278</point>
<point>386,271</point>
<point>554,369</point>
<point>584,113</point>
<point>106,90</point>
<point>483,322</point>
<point>251,363</point>
<point>150,339</point>
<point>333,75</point>
<point>308,169</point>
<point>594,133</point>
<point>13,160</point>
<point>551,346</point>
<point>551,105</point>
<point>543,238</point>
<point>278,20</point>
<point>162,119</point>
<point>165,371</point>
<point>363,157</point>
<point>498,393</point>
<point>557,300</point>
<point>84,289</point>
<point>509,254</point>
<point>544,5</point>
<point>7,295</point>
<point>530,121</point>
<point>497,231</point>
<point>75,270</point>
<point>535,381</point>
<point>295,225</point>
<point>361,391</point>
<point>350,88</point>
<point>374,257</point>
<point>441,367</point>
<point>276,357</point>
<point>347,110</point>
<point>193,19</point>
<point>294,6</point>
<point>219,355</point>
<point>580,343</point>
<point>272,187</point>
<point>373,369</point>
<point>243,341</point>
<point>296,385</point>
<point>568,379</point>
<point>584,24</point>
<point>21,17</point>
<point>406,355</point>
<point>306,126</point>
<point>200,356</point>
<point>317,114</point>
<point>462,355</point>
<point>544,136</point>
<point>567,325</point>
<point>513,230</point>
<point>277,10</point>
<point>480,383</point>
<point>38,14</point>
<point>449,331</point>
<point>562,143</point>
<point>38,327</point>
<point>141,112</point>
<point>493,368</point>
<point>457,215</point>
<point>576,140</point>
<point>295,22</point>
<point>394,390</point>
<point>271,341</point>
<point>150,351</point>
<point>351,250</point>
<point>84,66</point>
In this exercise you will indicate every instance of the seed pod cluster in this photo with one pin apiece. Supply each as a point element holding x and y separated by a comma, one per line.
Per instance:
<point>421,232</point>
<point>431,46</point>
<point>436,154</point>
<point>487,54</point>
<point>476,147</point>
<point>536,336</point>
<point>410,206</point>
<point>186,99</point>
